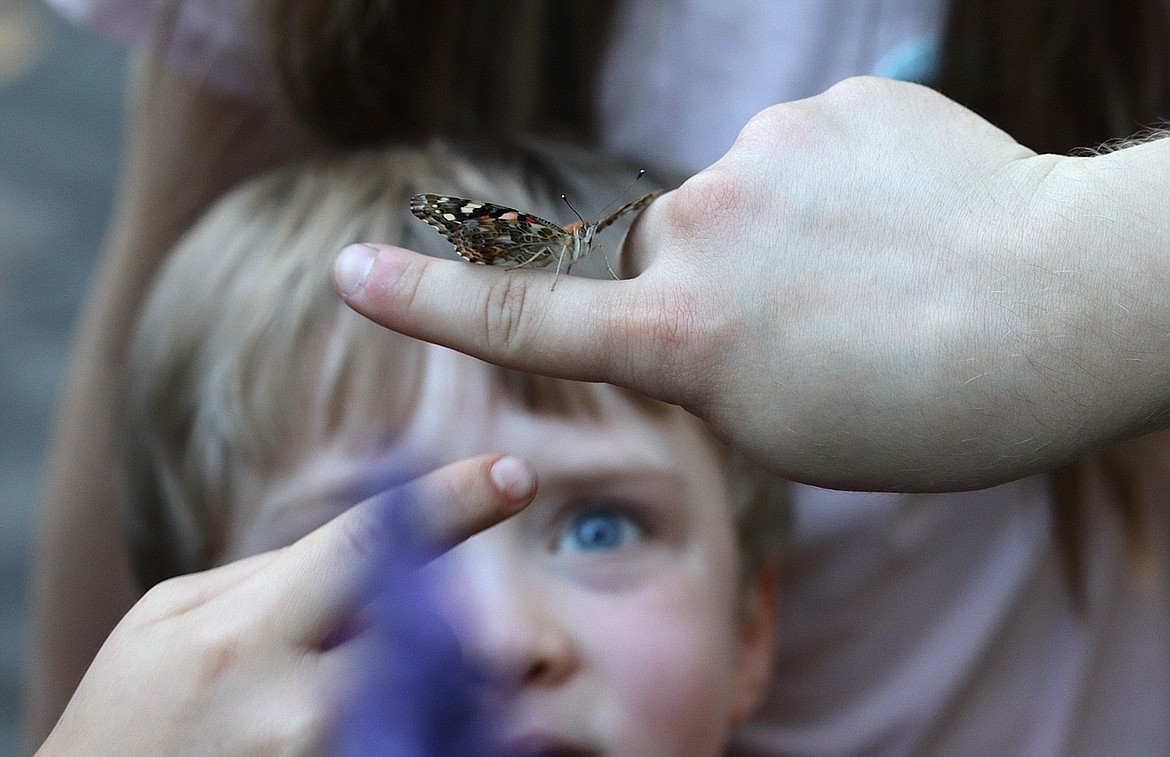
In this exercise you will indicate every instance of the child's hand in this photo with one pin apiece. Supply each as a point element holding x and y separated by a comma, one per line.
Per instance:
<point>247,658</point>
<point>874,288</point>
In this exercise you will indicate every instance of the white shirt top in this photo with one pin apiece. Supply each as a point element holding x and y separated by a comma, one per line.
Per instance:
<point>929,624</point>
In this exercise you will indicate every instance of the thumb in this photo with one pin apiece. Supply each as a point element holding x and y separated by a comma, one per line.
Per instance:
<point>585,329</point>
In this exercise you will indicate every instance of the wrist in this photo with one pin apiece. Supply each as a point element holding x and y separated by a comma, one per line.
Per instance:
<point>1101,235</point>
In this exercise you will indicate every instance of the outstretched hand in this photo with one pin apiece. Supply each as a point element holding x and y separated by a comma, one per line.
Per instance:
<point>873,289</point>
<point>263,656</point>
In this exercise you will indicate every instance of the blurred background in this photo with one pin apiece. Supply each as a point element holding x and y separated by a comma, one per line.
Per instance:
<point>60,128</point>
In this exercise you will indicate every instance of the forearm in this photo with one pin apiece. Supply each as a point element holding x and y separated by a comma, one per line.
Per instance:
<point>1108,256</point>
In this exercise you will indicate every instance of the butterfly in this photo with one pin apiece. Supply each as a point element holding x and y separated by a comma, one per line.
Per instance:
<point>488,234</point>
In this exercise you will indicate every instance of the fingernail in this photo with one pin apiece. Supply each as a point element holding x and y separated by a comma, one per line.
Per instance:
<point>352,268</point>
<point>514,478</point>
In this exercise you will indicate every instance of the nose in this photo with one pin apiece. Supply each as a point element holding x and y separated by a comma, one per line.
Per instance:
<point>514,628</point>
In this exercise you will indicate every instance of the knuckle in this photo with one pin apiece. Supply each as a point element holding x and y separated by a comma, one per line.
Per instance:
<point>764,122</point>
<point>165,601</point>
<point>851,87</point>
<point>406,285</point>
<point>300,727</point>
<point>365,531</point>
<point>504,313</point>
<point>865,97</point>
<point>776,126</point>
<point>812,125</point>
<point>857,90</point>
<point>216,651</point>
<point>161,600</point>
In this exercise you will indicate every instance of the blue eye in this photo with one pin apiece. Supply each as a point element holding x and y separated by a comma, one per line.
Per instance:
<point>599,531</point>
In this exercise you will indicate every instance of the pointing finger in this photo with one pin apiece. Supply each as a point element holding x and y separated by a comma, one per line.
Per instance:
<point>459,500</point>
<point>581,330</point>
<point>315,582</point>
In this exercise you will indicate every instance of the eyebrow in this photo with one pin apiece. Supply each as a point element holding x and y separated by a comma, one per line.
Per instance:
<point>636,474</point>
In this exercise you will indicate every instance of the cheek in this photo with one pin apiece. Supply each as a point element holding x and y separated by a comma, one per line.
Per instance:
<point>666,655</point>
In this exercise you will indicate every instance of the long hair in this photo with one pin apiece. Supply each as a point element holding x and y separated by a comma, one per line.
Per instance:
<point>1059,75</point>
<point>367,72</point>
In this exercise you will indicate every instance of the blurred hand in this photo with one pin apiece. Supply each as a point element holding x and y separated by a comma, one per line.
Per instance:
<point>873,289</point>
<point>257,657</point>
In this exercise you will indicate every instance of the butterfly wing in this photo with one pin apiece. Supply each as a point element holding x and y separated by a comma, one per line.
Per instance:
<point>486,233</point>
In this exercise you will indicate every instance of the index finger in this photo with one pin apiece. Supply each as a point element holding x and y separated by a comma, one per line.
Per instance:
<point>315,582</point>
<point>584,329</point>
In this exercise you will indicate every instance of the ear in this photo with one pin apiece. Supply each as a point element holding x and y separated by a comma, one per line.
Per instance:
<point>757,627</point>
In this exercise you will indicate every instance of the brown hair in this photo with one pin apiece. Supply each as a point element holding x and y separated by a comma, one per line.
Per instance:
<point>1055,74</point>
<point>367,72</point>
<point>1060,74</point>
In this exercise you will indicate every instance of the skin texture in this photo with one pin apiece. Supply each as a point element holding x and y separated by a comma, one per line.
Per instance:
<point>644,646</point>
<point>234,660</point>
<point>638,641</point>
<point>873,289</point>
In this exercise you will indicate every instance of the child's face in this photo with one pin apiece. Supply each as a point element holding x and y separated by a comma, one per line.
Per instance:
<point>613,603</point>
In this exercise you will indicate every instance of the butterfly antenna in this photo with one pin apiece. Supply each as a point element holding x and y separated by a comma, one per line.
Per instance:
<point>641,173</point>
<point>579,218</point>
<point>625,192</point>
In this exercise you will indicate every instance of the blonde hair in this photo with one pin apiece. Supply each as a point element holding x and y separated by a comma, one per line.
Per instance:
<point>244,357</point>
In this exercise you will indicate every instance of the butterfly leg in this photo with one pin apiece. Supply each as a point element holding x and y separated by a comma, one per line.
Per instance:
<point>608,267</point>
<point>557,274</point>
<point>534,257</point>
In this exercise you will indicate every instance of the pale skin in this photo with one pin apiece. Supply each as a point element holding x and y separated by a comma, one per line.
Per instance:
<point>230,661</point>
<point>185,145</point>
<point>873,289</point>
<point>611,611</point>
<point>610,608</point>
<point>1046,338</point>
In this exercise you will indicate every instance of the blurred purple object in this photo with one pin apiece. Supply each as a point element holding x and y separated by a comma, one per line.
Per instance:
<point>415,696</point>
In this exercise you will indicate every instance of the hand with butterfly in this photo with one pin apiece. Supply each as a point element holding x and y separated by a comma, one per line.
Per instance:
<point>485,233</point>
<point>873,289</point>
